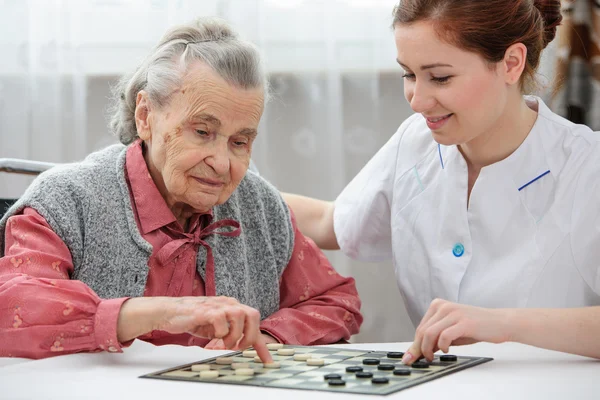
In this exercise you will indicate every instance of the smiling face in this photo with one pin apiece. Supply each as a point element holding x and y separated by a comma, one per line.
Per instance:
<point>459,94</point>
<point>198,146</point>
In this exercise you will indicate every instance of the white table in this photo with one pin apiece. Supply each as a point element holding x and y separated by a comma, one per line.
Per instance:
<point>517,372</point>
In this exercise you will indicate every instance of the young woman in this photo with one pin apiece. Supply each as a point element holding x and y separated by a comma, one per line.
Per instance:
<point>487,201</point>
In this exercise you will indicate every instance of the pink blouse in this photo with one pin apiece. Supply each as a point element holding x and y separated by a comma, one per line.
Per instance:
<point>44,313</point>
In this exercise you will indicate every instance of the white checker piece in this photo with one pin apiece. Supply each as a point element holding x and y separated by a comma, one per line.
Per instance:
<point>302,356</point>
<point>200,367</point>
<point>217,366</point>
<point>234,378</point>
<point>286,352</point>
<point>183,374</point>
<point>319,355</point>
<point>329,361</point>
<point>225,372</point>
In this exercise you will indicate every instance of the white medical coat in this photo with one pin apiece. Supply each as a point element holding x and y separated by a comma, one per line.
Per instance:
<point>529,237</point>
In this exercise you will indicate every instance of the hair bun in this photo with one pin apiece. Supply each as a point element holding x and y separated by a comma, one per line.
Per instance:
<point>550,12</point>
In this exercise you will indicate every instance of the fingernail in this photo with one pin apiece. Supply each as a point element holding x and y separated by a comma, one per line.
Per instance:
<point>407,358</point>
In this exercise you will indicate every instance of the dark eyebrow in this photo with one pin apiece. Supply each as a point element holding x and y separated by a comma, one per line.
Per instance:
<point>424,67</point>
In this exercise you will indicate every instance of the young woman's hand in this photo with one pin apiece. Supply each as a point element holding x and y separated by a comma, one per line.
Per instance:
<point>448,324</point>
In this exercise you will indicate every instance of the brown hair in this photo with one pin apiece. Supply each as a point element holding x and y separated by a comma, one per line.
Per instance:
<point>489,27</point>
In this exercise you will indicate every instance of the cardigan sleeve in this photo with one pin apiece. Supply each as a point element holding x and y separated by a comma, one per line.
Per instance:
<point>317,305</point>
<point>42,311</point>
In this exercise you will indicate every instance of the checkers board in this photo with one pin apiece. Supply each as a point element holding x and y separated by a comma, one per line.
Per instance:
<point>343,370</point>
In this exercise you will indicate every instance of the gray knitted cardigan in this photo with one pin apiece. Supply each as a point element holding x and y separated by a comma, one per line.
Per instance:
<point>88,206</point>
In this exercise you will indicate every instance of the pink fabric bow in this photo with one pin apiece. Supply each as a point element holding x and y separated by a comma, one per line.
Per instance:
<point>172,250</point>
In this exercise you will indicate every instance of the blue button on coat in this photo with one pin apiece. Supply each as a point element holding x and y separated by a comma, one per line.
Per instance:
<point>458,250</point>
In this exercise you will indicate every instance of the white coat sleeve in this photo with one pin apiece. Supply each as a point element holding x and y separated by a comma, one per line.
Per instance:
<point>585,229</point>
<point>362,216</point>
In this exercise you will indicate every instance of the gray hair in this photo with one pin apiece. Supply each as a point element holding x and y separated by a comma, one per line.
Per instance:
<point>209,40</point>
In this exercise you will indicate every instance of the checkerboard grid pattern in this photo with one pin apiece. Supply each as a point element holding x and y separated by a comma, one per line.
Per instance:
<point>289,367</point>
<point>296,374</point>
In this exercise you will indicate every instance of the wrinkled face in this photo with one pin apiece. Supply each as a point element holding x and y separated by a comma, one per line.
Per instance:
<point>455,90</point>
<point>198,146</point>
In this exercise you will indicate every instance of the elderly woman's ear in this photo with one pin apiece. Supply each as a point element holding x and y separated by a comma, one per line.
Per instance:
<point>142,115</point>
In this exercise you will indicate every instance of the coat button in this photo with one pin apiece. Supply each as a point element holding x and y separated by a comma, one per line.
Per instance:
<point>458,250</point>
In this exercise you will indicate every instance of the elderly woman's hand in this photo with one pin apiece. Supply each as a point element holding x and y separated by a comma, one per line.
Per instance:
<point>217,344</point>
<point>209,317</point>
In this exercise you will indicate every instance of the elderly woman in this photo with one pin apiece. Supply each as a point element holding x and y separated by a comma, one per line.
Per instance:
<point>169,239</point>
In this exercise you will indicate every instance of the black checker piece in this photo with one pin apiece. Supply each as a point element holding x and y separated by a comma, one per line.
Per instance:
<point>354,368</point>
<point>421,364</point>
<point>402,372</point>
<point>364,375</point>
<point>337,382</point>
<point>380,380</point>
<point>371,361</point>
<point>332,376</point>
<point>386,367</point>
<point>395,354</point>
<point>448,358</point>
